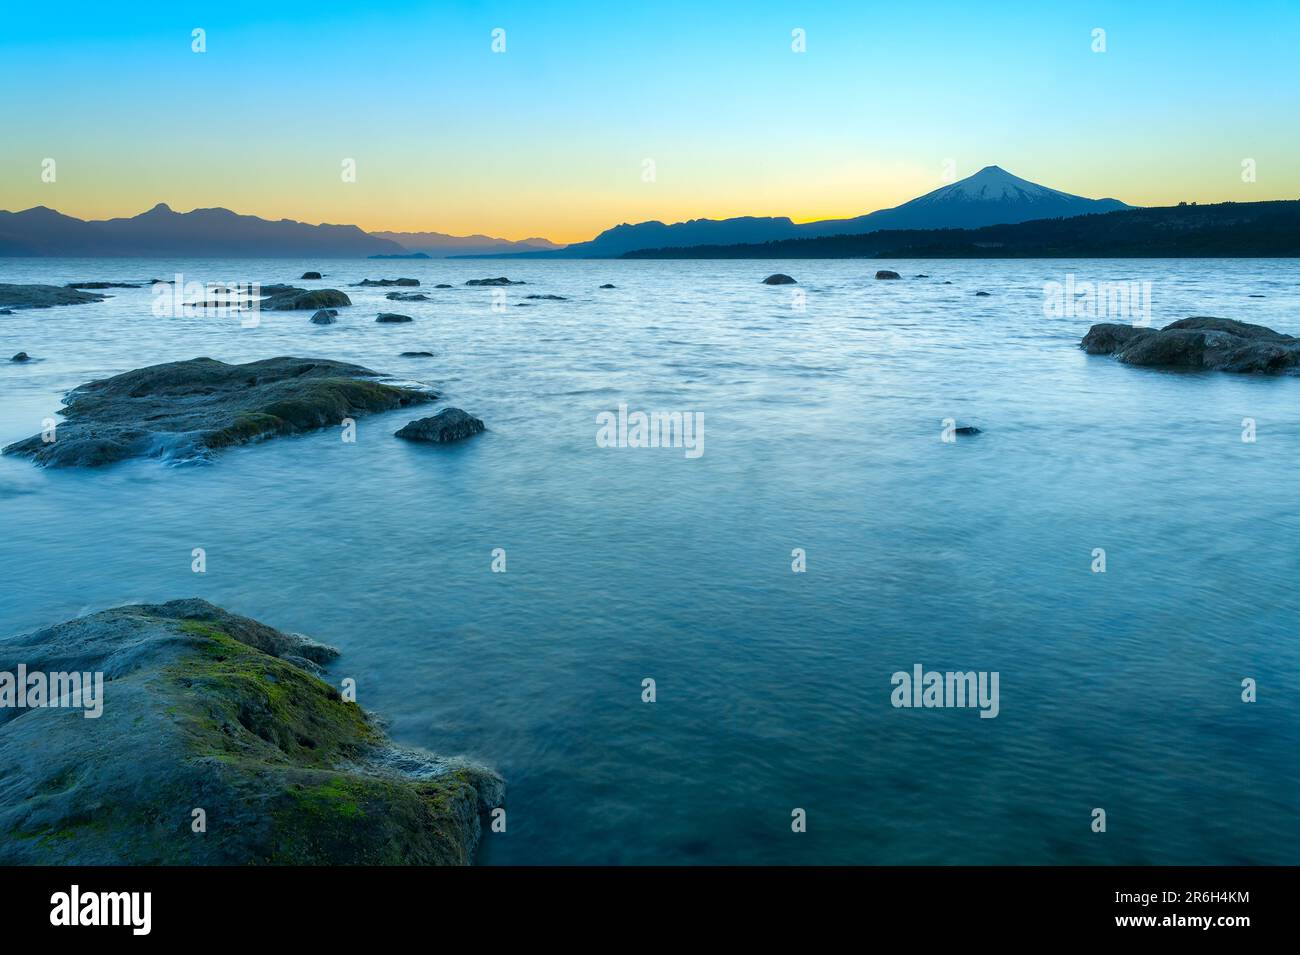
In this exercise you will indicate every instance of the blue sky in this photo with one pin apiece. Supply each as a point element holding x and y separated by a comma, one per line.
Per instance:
<point>551,137</point>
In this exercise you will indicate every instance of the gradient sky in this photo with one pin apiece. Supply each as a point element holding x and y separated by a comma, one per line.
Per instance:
<point>549,138</point>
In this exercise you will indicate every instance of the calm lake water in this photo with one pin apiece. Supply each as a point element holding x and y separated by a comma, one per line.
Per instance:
<point>1119,690</point>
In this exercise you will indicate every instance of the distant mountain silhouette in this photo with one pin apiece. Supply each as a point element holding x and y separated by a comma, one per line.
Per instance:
<point>1222,230</point>
<point>438,245</point>
<point>162,232</point>
<point>991,196</point>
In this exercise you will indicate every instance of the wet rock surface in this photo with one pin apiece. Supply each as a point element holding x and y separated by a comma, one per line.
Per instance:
<point>43,296</point>
<point>1201,343</point>
<point>446,426</point>
<point>188,409</point>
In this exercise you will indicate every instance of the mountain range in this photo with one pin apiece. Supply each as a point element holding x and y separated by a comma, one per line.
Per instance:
<point>991,196</point>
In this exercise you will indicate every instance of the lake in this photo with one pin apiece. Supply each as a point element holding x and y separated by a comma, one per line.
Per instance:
<point>823,407</point>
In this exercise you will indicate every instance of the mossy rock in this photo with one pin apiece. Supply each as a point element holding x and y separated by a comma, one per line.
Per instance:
<point>204,709</point>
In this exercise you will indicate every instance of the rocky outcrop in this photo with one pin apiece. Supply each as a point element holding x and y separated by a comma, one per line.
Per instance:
<point>187,409</point>
<point>286,298</point>
<point>779,278</point>
<point>448,425</point>
<point>204,713</point>
<point>1220,344</point>
<point>887,274</point>
<point>502,280</point>
<point>44,296</point>
<point>384,283</point>
<point>392,318</point>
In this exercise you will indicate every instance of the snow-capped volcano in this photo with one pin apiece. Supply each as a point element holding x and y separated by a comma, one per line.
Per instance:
<point>991,196</point>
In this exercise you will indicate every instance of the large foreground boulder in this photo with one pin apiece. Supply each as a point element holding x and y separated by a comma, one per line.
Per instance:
<point>446,426</point>
<point>186,409</point>
<point>207,715</point>
<point>44,296</point>
<point>1220,344</point>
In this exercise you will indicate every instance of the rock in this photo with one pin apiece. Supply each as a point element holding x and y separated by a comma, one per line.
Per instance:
<point>887,274</point>
<point>383,283</point>
<point>780,278</point>
<point>1220,344</point>
<point>608,285</point>
<point>288,299</point>
<point>21,356</point>
<point>497,281</point>
<point>407,297</point>
<point>922,276</point>
<point>326,316</point>
<point>6,311</point>
<point>548,298</point>
<point>101,285</point>
<point>981,294</point>
<point>451,424</point>
<point>442,285</point>
<point>391,318</point>
<point>1255,296</point>
<point>309,275</point>
<point>947,283</point>
<point>189,409</point>
<point>44,296</point>
<point>967,429</point>
<point>416,354</point>
<point>203,707</point>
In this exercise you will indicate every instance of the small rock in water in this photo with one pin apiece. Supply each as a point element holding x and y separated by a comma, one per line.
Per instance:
<point>886,274</point>
<point>947,283</point>
<point>288,299</point>
<point>981,294</point>
<point>416,354</point>
<point>451,424</point>
<point>389,318</point>
<point>442,285</point>
<point>779,278</point>
<point>502,280</point>
<point>381,283</point>
<point>407,297</point>
<point>325,316</point>
<point>310,275</point>
<point>922,276</point>
<point>967,429</point>
<point>43,296</point>
<point>1221,344</point>
<point>608,285</point>
<point>21,356</point>
<point>1254,296</point>
<point>548,298</point>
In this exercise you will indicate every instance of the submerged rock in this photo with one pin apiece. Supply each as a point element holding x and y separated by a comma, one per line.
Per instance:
<point>608,285</point>
<point>392,318</point>
<point>383,283</point>
<point>548,298</point>
<point>442,285</point>
<point>779,278</point>
<point>887,274</point>
<point>309,275</point>
<point>407,297</point>
<point>416,354</point>
<point>205,708</point>
<point>451,424</point>
<point>21,356</point>
<point>44,296</point>
<point>186,409</point>
<point>326,316</point>
<point>1220,344</point>
<point>967,429</point>
<point>981,294</point>
<point>922,275</point>
<point>286,298</point>
<point>497,281</point>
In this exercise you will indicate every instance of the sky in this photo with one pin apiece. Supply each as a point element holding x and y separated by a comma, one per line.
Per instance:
<point>602,113</point>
